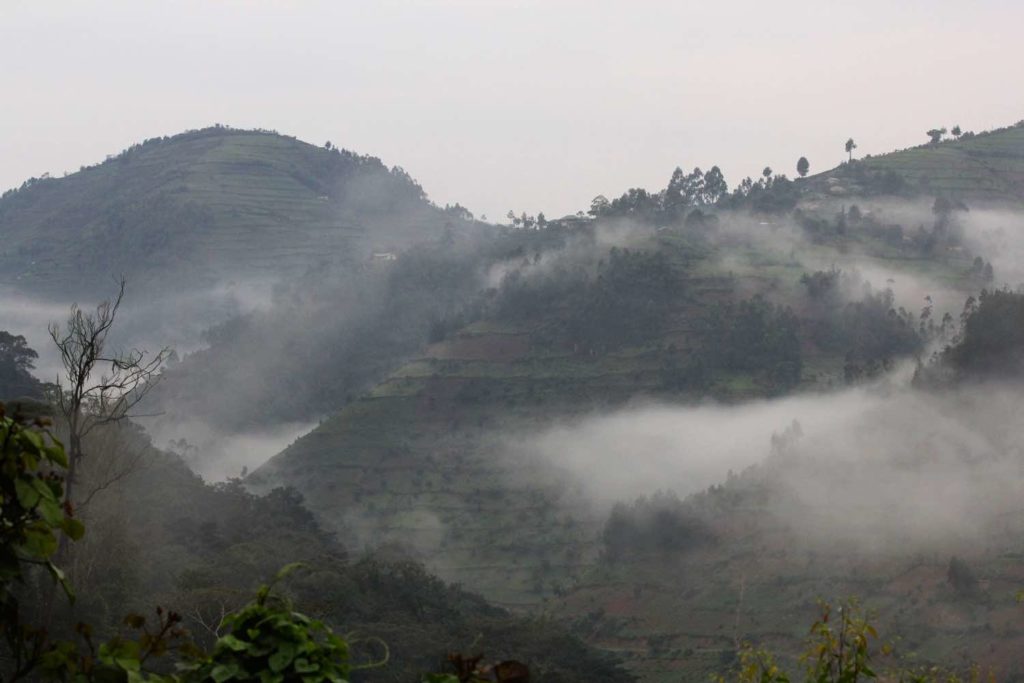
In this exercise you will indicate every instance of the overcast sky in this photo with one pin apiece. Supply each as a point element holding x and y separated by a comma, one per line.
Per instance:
<point>534,105</point>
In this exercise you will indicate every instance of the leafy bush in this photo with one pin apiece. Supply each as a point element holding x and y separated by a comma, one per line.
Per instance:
<point>843,647</point>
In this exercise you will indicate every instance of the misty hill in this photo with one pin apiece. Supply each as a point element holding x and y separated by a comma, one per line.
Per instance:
<point>480,450</point>
<point>586,320</point>
<point>462,372</point>
<point>203,549</point>
<point>207,207</point>
<point>986,166</point>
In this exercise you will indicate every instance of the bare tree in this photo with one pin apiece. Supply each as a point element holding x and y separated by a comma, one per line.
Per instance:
<point>97,387</point>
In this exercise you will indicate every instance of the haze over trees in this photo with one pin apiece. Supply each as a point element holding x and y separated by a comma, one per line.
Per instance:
<point>614,445</point>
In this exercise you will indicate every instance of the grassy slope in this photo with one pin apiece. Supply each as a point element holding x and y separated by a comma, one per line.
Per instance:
<point>193,209</point>
<point>987,166</point>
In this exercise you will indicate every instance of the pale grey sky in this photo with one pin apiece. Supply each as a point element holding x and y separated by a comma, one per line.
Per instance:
<point>533,105</point>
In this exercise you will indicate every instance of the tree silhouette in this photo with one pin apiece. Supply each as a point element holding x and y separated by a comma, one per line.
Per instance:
<point>850,146</point>
<point>936,134</point>
<point>803,166</point>
<point>98,387</point>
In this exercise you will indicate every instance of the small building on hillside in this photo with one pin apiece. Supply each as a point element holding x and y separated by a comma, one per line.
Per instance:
<point>383,257</point>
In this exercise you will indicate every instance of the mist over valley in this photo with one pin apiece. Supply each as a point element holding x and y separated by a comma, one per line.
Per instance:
<point>271,410</point>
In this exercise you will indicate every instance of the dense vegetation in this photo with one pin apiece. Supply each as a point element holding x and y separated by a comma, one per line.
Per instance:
<point>17,361</point>
<point>661,525</point>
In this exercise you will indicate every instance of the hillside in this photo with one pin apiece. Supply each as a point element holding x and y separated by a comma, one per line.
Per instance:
<point>424,458</point>
<point>203,549</point>
<point>442,366</point>
<point>206,207</point>
<point>588,318</point>
<point>986,167</point>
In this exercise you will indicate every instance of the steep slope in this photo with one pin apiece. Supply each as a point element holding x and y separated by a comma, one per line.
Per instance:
<point>204,207</point>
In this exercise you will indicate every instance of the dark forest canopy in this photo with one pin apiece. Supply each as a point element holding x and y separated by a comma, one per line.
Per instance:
<point>17,360</point>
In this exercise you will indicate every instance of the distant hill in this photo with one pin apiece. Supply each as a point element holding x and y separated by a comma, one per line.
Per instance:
<point>577,327</point>
<point>985,166</point>
<point>203,207</point>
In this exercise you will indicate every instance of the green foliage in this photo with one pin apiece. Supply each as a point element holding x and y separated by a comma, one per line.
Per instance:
<point>33,518</point>
<point>270,642</point>
<point>992,335</point>
<point>628,302</point>
<point>267,640</point>
<point>869,332</point>
<point>843,647</point>
<point>757,337</point>
<point>17,359</point>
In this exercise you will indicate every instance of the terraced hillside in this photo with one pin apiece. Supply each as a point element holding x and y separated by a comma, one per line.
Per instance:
<point>805,525</point>
<point>424,459</point>
<point>987,166</point>
<point>205,207</point>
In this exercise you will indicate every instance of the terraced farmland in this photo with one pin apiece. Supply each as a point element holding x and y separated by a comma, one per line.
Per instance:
<point>988,166</point>
<point>423,459</point>
<point>206,207</point>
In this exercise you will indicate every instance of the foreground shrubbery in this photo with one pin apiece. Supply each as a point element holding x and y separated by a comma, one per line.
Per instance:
<point>843,647</point>
<point>265,640</point>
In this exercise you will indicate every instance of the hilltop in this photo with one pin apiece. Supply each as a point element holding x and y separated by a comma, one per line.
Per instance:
<point>986,167</point>
<point>206,207</point>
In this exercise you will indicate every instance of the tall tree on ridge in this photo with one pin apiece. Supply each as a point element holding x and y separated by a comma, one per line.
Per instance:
<point>803,166</point>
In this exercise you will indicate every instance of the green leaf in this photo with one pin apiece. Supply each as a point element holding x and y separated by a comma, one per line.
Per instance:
<point>47,490</point>
<point>51,513</point>
<point>57,455</point>
<point>281,659</point>
<point>73,528</point>
<point>34,439</point>
<point>28,496</point>
<point>304,666</point>
<point>60,578</point>
<point>234,643</point>
<point>39,542</point>
<point>222,672</point>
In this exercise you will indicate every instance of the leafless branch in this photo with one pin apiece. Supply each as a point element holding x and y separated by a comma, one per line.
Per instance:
<point>97,387</point>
